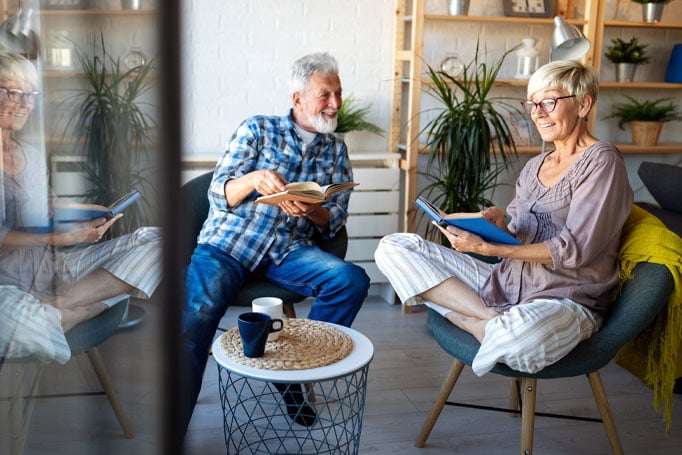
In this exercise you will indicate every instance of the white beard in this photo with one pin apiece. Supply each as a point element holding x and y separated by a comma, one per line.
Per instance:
<point>321,124</point>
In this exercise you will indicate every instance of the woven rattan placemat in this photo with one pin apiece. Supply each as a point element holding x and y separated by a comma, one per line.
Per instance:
<point>302,344</point>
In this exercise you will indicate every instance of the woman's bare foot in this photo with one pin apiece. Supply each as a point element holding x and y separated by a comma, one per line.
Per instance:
<point>72,316</point>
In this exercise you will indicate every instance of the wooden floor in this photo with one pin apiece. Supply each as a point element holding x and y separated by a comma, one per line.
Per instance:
<point>404,377</point>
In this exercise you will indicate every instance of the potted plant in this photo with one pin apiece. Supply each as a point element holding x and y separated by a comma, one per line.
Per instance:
<point>652,10</point>
<point>646,118</point>
<point>113,131</point>
<point>469,140</point>
<point>626,55</point>
<point>352,117</point>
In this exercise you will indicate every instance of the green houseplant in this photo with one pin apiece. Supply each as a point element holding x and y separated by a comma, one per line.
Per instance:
<point>469,140</point>
<point>114,130</point>
<point>646,118</point>
<point>353,117</point>
<point>626,55</point>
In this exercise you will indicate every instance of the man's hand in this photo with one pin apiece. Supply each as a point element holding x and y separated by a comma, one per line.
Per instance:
<point>314,212</point>
<point>298,208</point>
<point>267,182</point>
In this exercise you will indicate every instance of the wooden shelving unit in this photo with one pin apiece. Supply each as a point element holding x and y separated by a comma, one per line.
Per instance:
<point>409,81</point>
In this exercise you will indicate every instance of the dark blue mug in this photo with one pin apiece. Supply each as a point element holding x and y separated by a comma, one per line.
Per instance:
<point>254,329</point>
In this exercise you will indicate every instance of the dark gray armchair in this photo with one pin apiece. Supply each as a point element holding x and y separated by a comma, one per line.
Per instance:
<point>195,193</point>
<point>640,300</point>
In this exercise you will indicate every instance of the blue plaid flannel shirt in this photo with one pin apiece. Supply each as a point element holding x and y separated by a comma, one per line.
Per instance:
<point>250,231</point>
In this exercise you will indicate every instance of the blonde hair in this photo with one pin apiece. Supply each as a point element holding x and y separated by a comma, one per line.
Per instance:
<point>16,67</point>
<point>572,77</point>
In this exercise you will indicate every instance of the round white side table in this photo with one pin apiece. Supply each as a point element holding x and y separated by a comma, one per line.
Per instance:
<point>255,415</point>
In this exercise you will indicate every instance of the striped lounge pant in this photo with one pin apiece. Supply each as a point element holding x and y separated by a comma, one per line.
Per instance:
<point>526,337</point>
<point>30,328</point>
<point>134,258</point>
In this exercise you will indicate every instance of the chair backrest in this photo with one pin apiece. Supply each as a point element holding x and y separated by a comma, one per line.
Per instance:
<point>195,196</point>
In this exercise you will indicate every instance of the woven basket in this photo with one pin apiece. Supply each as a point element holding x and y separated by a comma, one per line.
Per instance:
<point>645,133</point>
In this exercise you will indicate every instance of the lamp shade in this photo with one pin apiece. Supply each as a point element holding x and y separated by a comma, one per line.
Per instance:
<point>568,43</point>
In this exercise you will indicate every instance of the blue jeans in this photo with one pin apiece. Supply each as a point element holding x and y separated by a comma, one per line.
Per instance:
<point>214,279</point>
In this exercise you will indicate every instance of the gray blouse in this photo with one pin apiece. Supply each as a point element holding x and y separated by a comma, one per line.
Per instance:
<point>579,219</point>
<point>25,205</point>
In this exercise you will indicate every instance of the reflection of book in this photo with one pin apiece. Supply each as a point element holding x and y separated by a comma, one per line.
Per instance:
<point>472,222</point>
<point>85,212</point>
<point>308,192</point>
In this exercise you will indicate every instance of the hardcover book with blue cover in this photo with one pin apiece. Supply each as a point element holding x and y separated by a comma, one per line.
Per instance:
<point>84,212</point>
<point>472,222</point>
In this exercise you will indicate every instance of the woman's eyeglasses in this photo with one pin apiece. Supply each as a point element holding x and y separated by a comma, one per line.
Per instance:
<point>547,105</point>
<point>18,96</point>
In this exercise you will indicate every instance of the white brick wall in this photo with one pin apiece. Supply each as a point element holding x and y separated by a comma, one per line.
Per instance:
<point>237,55</point>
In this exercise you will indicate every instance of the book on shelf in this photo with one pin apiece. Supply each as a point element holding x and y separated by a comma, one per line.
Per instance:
<point>73,213</point>
<point>472,222</point>
<point>308,192</point>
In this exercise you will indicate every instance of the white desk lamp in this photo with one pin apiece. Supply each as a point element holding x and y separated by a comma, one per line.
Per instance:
<point>568,43</point>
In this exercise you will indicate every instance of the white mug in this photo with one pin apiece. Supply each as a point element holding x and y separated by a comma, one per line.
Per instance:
<point>272,306</point>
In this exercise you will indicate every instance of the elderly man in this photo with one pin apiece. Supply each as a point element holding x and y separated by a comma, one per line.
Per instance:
<point>242,239</point>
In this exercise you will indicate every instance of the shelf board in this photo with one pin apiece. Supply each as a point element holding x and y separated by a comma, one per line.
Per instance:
<point>499,19</point>
<point>660,148</point>
<point>65,74</point>
<point>615,23</point>
<point>97,12</point>
<point>673,147</point>
<point>631,85</point>
<point>602,84</point>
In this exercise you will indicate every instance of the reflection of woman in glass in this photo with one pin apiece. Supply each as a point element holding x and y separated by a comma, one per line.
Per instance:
<point>76,279</point>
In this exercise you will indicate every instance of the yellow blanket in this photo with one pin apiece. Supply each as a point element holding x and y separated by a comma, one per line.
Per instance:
<point>655,355</point>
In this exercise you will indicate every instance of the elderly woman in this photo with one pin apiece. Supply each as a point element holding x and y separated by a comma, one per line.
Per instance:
<point>68,270</point>
<point>551,292</point>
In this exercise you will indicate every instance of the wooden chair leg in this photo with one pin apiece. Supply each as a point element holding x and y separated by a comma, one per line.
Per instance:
<point>21,408</point>
<point>528,386</point>
<point>103,376</point>
<point>514,396</point>
<point>605,412</point>
<point>17,422</point>
<point>445,390</point>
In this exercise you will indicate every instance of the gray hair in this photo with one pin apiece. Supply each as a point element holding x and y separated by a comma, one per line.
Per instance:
<point>306,66</point>
<point>16,67</point>
<point>573,77</point>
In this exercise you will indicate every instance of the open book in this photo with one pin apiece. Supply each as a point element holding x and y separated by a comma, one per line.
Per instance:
<point>308,192</point>
<point>472,222</point>
<point>85,212</point>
